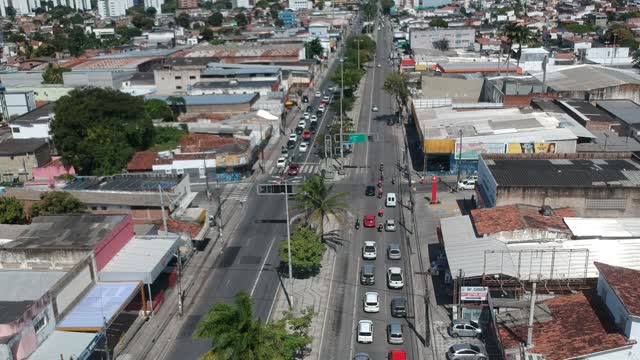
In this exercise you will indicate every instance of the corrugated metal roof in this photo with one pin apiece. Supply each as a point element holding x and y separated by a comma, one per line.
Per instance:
<point>626,110</point>
<point>20,285</point>
<point>218,99</point>
<point>587,78</point>
<point>63,344</point>
<point>140,260</point>
<point>604,227</point>
<point>466,252</point>
<point>101,304</point>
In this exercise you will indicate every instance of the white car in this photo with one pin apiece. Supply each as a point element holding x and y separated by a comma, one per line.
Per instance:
<point>467,184</point>
<point>282,162</point>
<point>325,98</point>
<point>303,147</point>
<point>371,302</point>
<point>318,93</point>
<point>302,124</point>
<point>369,250</point>
<point>293,137</point>
<point>374,108</point>
<point>365,331</point>
<point>395,279</point>
<point>390,225</point>
<point>306,115</point>
<point>321,108</point>
<point>314,118</point>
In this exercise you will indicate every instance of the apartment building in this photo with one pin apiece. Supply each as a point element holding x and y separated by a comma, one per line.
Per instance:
<point>458,38</point>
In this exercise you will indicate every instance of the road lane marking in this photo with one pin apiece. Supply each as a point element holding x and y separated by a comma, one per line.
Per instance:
<point>255,284</point>
<point>355,310</point>
<point>326,308</point>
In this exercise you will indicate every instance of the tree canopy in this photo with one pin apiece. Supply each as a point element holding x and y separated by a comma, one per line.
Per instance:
<point>306,252</point>
<point>313,48</point>
<point>319,202</point>
<point>55,203</point>
<point>215,19</point>
<point>396,85</point>
<point>98,130</point>
<point>53,74</point>
<point>621,35</point>
<point>438,22</point>
<point>12,211</point>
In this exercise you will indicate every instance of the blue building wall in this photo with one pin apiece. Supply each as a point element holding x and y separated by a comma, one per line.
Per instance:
<point>288,18</point>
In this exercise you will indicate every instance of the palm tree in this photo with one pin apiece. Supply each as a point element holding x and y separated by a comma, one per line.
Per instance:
<point>396,85</point>
<point>523,37</point>
<point>511,31</point>
<point>319,202</point>
<point>233,331</point>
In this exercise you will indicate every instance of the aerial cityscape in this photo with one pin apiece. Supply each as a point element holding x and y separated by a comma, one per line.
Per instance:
<point>322,180</point>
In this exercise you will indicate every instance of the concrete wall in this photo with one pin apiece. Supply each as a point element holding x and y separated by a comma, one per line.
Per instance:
<point>232,108</point>
<point>23,338</point>
<point>175,81</point>
<point>111,244</point>
<point>36,130</point>
<point>71,290</point>
<point>627,324</point>
<point>41,259</point>
<point>628,91</point>
<point>574,197</point>
<point>21,166</point>
<point>22,78</point>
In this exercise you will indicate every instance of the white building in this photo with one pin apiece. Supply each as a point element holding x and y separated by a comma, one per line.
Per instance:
<point>319,30</point>
<point>242,3</point>
<point>609,56</point>
<point>156,4</point>
<point>17,102</point>
<point>296,5</point>
<point>34,124</point>
<point>113,8</point>
<point>25,7</point>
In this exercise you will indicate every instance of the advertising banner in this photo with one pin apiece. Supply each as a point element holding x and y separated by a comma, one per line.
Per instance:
<point>473,293</point>
<point>470,151</point>
<point>531,148</point>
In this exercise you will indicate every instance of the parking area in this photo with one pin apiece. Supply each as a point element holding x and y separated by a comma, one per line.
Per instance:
<point>444,341</point>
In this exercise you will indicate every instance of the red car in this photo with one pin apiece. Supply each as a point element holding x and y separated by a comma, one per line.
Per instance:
<point>324,103</point>
<point>369,221</point>
<point>397,355</point>
<point>306,135</point>
<point>293,169</point>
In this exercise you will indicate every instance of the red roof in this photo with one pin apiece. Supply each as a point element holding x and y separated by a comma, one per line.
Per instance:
<point>518,217</point>
<point>408,62</point>
<point>624,283</point>
<point>142,161</point>
<point>579,325</point>
<point>192,143</point>
<point>181,227</point>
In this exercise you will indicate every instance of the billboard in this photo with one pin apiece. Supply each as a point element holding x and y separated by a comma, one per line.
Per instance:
<point>473,293</point>
<point>531,148</point>
<point>470,151</point>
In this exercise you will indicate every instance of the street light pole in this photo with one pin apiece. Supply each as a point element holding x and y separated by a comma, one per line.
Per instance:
<point>358,42</point>
<point>341,97</point>
<point>286,206</point>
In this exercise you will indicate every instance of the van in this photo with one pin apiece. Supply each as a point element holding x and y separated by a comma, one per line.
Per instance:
<point>391,200</point>
<point>367,275</point>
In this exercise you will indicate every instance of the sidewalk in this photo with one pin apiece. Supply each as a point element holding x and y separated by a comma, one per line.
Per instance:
<point>315,292</point>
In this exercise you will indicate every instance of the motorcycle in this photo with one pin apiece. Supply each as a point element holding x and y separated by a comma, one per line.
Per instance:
<point>380,193</point>
<point>380,183</point>
<point>357,224</point>
<point>381,212</point>
<point>381,166</point>
<point>380,227</point>
<point>393,180</point>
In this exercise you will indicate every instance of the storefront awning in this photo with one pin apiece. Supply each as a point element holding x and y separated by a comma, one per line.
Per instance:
<point>140,260</point>
<point>64,345</point>
<point>99,306</point>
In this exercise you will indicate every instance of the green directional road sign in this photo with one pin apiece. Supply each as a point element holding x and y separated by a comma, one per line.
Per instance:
<point>357,138</point>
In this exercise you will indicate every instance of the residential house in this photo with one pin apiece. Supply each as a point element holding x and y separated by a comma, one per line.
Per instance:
<point>17,102</point>
<point>34,124</point>
<point>19,156</point>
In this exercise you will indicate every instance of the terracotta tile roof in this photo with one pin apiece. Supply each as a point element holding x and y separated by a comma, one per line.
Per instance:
<point>517,217</point>
<point>142,161</point>
<point>114,63</point>
<point>180,227</point>
<point>192,143</point>
<point>580,326</point>
<point>624,282</point>
<point>206,116</point>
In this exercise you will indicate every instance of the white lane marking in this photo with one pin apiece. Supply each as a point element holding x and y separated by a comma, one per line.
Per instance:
<point>255,283</point>
<point>355,310</point>
<point>326,308</point>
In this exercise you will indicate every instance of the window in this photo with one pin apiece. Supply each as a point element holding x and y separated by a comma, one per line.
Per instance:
<point>192,77</point>
<point>202,173</point>
<point>180,171</point>
<point>94,208</point>
<point>15,129</point>
<point>167,171</point>
<point>178,87</point>
<point>41,323</point>
<point>104,207</point>
<point>178,77</point>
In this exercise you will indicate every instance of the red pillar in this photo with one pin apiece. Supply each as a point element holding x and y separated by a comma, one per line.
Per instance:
<point>434,189</point>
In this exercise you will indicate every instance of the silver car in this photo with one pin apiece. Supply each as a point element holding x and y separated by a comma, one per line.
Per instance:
<point>393,252</point>
<point>394,334</point>
<point>464,328</point>
<point>390,225</point>
<point>465,352</point>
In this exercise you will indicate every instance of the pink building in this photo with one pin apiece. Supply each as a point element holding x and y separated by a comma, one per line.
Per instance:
<point>51,174</point>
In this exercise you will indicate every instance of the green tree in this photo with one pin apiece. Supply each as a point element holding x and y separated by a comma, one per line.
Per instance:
<point>215,19</point>
<point>386,6</point>
<point>235,334</point>
<point>217,41</point>
<point>524,37</point>
<point>150,11</point>
<point>278,23</point>
<point>241,19</point>
<point>158,109</point>
<point>142,22</point>
<point>56,203</point>
<point>621,35</point>
<point>184,20</point>
<point>168,7</point>
<point>442,44</point>
<point>438,22</point>
<point>207,34</point>
<point>511,32</point>
<point>396,85</point>
<point>12,211</point>
<point>77,19</point>
<point>177,105</point>
<point>97,130</point>
<point>351,77</point>
<point>319,202</point>
<point>167,138</point>
<point>306,252</point>
<point>53,74</point>
<point>313,48</point>
<point>319,4</point>
<point>127,33</point>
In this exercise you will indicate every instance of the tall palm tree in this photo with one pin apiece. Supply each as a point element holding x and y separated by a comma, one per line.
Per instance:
<point>396,85</point>
<point>233,331</point>
<point>524,36</point>
<point>511,31</point>
<point>318,201</point>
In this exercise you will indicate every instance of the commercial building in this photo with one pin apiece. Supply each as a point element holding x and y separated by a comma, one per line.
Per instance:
<point>156,4</point>
<point>592,184</point>
<point>458,38</point>
<point>288,16</point>
<point>113,8</point>
<point>297,5</point>
<point>215,104</point>
<point>249,54</point>
<point>19,156</point>
<point>187,4</point>
<point>625,112</point>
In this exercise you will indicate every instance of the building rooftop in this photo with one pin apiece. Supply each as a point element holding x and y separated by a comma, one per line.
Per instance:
<point>18,285</point>
<point>624,282</point>
<point>177,62</point>
<point>608,142</point>
<point>576,325</point>
<point>585,110</point>
<point>217,99</point>
<point>625,110</point>
<point>245,50</point>
<point>603,227</point>
<point>193,143</point>
<point>232,83</point>
<point>69,231</point>
<point>459,90</point>
<point>43,114</point>
<point>454,67</point>
<point>573,170</point>
<point>12,310</point>
<point>127,182</point>
<point>11,232</point>
<point>113,63</point>
<point>11,146</point>
<point>517,217</point>
<point>587,78</point>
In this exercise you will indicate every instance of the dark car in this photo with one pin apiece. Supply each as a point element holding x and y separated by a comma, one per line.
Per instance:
<point>399,307</point>
<point>318,113</point>
<point>309,109</point>
<point>299,130</point>
<point>371,191</point>
<point>305,99</point>
<point>293,169</point>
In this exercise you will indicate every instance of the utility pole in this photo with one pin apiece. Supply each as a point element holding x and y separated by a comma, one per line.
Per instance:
<point>614,47</point>
<point>532,309</point>
<point>459,158</point>
<point>341,97</point>
<point>358,42</point>
<point>179,273</point>
<point>219,196</point>
<point>164,215</point>
<point>206,178</point>
<point>286,207</point>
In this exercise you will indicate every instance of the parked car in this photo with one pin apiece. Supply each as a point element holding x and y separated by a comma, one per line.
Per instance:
<point>468,183</point>
<point>361,356</point>
<point>395,280</point>
<point>371,302</point>
<point>390,225</point>
<point>465,352</point>
<point>293,137</point>
<point>393,252</point>
<point>394,334</point>
<point>369,250</point>
<point>365,331</point>
<point>399,307</point>
<point>281,163</point>
<point>464,328</point>
<point>397,355</point>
